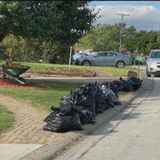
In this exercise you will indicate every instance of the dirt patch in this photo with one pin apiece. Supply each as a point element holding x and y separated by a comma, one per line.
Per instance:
<point>12,84</point>
<point>66,72</point>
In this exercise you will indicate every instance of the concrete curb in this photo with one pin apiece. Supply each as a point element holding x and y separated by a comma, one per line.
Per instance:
<point>75,79</point>
<point>50,151</point>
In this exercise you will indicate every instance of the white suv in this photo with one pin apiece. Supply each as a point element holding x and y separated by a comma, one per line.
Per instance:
<point>153,63</point>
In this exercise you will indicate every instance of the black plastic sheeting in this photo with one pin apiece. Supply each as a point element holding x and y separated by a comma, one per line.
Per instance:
<point>84,103</point>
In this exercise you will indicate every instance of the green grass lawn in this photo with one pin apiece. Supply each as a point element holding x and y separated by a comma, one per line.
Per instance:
<point>112,71</point>
<point>43,98</point>
<point>6,119</point>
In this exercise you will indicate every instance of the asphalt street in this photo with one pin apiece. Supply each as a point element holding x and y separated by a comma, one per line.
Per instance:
<point>133,134</point>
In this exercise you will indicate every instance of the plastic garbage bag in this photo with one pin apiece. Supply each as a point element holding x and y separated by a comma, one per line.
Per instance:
<point>111,95</point>
<point>99,101</point>
<point>87,116</point>
<point>135,82</point>
<point>58,122</point>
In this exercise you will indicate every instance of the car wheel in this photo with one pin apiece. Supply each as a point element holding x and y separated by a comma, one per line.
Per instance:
<point>148,75</point>
<point>120,64</point>
<point>86,63</point>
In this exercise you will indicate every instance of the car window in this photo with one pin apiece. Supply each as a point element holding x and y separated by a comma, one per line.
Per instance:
<point>155,54</point>
<point>111,54</point>
<point>102,54</point>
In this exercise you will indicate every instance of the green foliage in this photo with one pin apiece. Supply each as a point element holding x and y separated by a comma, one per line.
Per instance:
<point>63,22</point>
<point>22,49</point>
<point>6,119</point>
<point>107,37</point>
<point>14,46</point>
<point>45,25</point>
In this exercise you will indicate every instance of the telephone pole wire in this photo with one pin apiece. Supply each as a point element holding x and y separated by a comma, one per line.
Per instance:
<point>121,34</point>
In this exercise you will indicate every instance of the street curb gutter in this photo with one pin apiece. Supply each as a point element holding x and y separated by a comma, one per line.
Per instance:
<point>50,151</point>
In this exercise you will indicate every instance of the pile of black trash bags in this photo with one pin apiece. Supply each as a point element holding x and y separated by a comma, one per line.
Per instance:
<point>85,102</point>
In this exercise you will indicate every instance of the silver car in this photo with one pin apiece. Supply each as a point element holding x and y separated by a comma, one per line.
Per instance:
<point>105,58</point>
<point>153,63</point>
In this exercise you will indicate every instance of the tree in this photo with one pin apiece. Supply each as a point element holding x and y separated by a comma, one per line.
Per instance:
<point>105,37</point>
<point>60,22</point>
<point>130,40</point>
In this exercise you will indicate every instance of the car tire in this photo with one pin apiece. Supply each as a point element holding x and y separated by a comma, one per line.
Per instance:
<point>86,63</point>
<point>148,75</point>
<point>120,64</point>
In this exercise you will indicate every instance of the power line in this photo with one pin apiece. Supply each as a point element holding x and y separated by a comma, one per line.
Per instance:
<point>122,18</point>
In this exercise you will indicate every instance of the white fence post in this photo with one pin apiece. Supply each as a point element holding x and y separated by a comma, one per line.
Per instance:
<point>70,59</point>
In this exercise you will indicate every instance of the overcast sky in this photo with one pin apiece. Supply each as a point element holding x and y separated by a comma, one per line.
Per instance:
<point>144,15</point>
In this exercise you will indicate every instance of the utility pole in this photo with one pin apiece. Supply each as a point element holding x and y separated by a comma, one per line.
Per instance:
<point>121,31</point>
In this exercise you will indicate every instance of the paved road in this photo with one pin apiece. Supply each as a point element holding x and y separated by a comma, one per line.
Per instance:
<point>133,134</point>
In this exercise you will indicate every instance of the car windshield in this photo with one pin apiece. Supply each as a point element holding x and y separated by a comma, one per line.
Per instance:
<point>155,54</point>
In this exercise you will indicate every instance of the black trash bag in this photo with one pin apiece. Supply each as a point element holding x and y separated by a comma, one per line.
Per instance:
<point>76,97</point>
<point>135,82</point>
<point>99,108</point>
<point>99,101</point>
<point>106,89</point>
<point>108,102</point>
<point>62,123</point>
<point>117,84</point>
<point>84,96</point>
<point>110,97</point>
<point>65,105</point>
<point>114,88</point>
<point>130,85</point>
<point>87,116</point>
<point>52,114</point>
<point>125,85</point>
<point>89,92</point>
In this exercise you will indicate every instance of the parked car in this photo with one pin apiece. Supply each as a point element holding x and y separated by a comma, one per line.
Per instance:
<point>153,63</point>
<point>78,55</point>
<point>104,58</point>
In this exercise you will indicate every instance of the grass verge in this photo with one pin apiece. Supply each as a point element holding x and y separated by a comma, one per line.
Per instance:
<point>6,119</point>
<point>42,98</point>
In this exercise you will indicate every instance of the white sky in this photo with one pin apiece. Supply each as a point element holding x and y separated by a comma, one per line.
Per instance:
<point>144,16</point>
